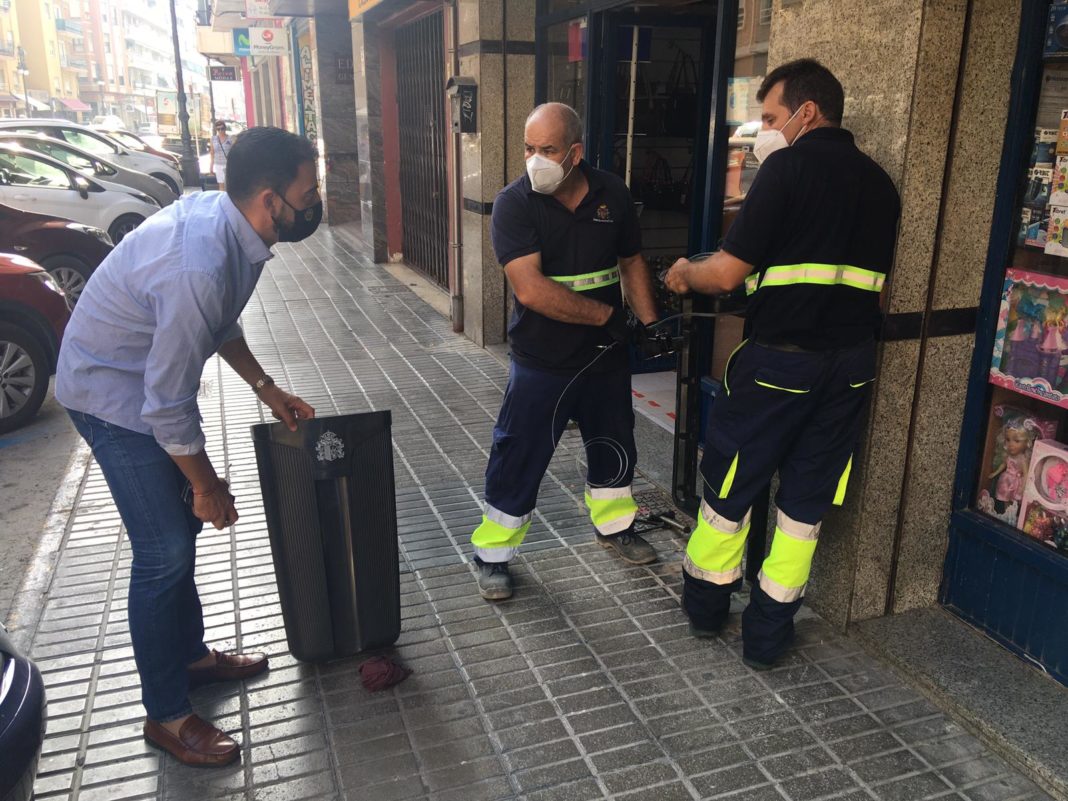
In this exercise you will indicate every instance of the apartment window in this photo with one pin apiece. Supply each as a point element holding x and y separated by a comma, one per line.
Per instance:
<point>765,12</point>
<point>51,48</point>
<point>122,81</point>
<point>3,80</point>
<point>741,15</point>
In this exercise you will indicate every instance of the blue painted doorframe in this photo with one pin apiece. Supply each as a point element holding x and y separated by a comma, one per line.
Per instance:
<point>1011,587</point>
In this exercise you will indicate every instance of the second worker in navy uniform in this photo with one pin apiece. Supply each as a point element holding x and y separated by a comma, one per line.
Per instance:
<point>813,243</point>
<point>568,237</point>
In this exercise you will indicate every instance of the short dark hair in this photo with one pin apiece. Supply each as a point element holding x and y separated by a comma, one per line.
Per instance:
<point>803,80</point>
<point>265,158</point>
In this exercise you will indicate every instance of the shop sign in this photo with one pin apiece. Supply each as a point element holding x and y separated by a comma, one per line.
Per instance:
<point>307,90</point>
<point>242,45</point>
<point>222,73</point>
<point>166,113</point>
<point>357,7</point>
<point>257,9</point>
<point>268,41</point>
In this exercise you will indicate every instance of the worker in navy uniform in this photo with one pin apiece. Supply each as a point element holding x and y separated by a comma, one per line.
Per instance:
<point>568,237</point>
<point>813,243</point>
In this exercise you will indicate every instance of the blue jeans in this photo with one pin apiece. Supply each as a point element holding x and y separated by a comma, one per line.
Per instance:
<point>166,620</point>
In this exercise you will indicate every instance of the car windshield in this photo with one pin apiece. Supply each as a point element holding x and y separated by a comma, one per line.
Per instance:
<point>57,151</point>
<point>127,139</point>
<point>22,170</point>
<point>97,145</point>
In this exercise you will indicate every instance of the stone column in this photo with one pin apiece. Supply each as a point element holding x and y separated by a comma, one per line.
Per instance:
<point>502,63</point>
<point>368,132</point>
<point>332,51</point>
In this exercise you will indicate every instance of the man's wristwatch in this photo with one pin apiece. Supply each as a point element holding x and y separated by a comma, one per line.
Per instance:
<point>265,381</point>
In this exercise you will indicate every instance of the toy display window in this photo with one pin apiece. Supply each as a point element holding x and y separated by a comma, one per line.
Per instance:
<point>1023,475</point>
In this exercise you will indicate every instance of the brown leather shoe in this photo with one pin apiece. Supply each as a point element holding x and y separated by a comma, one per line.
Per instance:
<point>228,667</point>
<point>198,743</point>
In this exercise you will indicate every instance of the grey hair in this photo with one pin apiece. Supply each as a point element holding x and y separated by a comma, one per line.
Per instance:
<point>572,121</point>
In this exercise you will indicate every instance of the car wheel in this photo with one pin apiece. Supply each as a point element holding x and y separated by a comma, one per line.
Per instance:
<point>70,273</point>
<point>160,176</point>
<point>122,226</point>
<point>24,376</point>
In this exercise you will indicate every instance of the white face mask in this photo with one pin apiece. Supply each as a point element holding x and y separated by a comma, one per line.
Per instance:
<point>767,142</point>
<point>545,174</point>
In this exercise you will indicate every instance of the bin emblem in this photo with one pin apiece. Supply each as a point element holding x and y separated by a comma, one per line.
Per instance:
<point>329,448</point>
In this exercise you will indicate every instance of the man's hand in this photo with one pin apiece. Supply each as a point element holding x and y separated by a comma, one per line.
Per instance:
<point>618,326</point>
<point>215,507</point>
<point>677,278</point>
<point>285,407</point>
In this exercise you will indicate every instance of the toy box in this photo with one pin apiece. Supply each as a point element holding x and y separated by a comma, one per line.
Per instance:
<point>1044,152</point>
<point>1030,351</point>
<point>1044,509</point>
<point>1057,231</point>
<point>1057,32</point>
<point>1059,192</point>
<point>1011,436</point>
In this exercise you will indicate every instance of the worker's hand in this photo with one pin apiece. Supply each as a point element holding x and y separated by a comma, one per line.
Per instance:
<point>216,506</point>
<point>676,278</point>
<point>618,326</point>
<point>285,407</point>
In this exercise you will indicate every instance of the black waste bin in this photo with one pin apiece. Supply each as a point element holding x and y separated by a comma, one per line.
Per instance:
<point>331,512</point>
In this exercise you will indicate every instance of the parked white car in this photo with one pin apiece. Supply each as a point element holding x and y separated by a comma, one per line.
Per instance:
<point>92,166</point>
<point>103,146</point>
<point>37,183</point>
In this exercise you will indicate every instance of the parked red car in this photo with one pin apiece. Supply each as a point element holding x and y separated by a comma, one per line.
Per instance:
<point>69,251</point>
<point>33,314</point>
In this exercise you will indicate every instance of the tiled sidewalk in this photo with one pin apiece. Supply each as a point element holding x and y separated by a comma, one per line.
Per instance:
<point>585,686</point>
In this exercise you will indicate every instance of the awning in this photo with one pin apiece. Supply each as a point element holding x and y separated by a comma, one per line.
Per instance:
<point>74,104</point>
<point>37,105</point>
<point>7,99</point>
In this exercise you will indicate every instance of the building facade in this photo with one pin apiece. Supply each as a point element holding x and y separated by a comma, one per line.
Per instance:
<point>961,103</point>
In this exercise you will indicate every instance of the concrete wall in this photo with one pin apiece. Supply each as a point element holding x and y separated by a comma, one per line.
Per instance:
<point>899,61</point>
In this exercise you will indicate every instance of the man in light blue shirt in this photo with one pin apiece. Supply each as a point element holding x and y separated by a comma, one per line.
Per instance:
<point>160,305</point>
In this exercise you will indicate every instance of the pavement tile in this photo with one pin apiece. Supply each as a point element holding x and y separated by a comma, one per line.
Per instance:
<point>586,685</point>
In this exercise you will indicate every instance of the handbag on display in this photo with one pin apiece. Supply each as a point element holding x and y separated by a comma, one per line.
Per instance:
<point>681,116</point>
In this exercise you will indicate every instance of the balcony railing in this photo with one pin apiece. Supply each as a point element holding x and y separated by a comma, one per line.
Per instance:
<point>69,25</point>
<point>7,50</point>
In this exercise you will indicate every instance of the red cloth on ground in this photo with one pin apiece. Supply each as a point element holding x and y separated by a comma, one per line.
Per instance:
<point>379,673</point>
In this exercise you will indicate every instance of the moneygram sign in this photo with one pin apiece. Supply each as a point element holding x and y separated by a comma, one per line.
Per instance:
<point>268,41</point>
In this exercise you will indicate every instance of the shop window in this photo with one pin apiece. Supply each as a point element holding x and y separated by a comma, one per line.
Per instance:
<point>568,48</point>
<point>1023,474</point>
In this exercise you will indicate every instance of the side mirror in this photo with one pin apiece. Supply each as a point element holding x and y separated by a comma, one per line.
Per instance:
<point>81,183</point>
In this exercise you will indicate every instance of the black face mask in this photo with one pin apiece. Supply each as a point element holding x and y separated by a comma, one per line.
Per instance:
<point>305,221</point>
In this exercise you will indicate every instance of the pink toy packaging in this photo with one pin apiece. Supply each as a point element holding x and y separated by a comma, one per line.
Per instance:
<point>1008,459</point>
<point>1031,345</point>
<point>1044,505</point>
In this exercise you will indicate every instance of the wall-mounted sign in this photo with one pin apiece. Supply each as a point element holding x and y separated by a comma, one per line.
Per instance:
<point>222,73</point>
<point>357,7</point>
<point>344,69</point>
<point>241,42</point>
<point>166,113</point>
<point>268,41</point>
<point>257,9</point>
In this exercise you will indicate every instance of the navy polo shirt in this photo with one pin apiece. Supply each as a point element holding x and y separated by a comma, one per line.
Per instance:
<point>603,229</point>
<point>817,205</point>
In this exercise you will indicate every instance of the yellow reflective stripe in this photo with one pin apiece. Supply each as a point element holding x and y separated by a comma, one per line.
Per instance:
<point>728,480</point>
<point>752,283</point>
<point>790,560</point>
<point>862,383</point>
<point>716,553</point>
<point>727,368</point>
<point>839,495</point>
<point>587,281</point>
<point>782,389</point>
<point>604,510</point>
<point>824,275</point>
<point>491,534</point>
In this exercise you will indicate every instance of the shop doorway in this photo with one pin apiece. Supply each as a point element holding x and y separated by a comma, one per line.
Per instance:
<point>421,129</point>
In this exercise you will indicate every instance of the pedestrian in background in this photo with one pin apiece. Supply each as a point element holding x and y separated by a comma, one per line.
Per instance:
<point>159,306</point>
<point>220,149</point>
<point>813,243</point>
